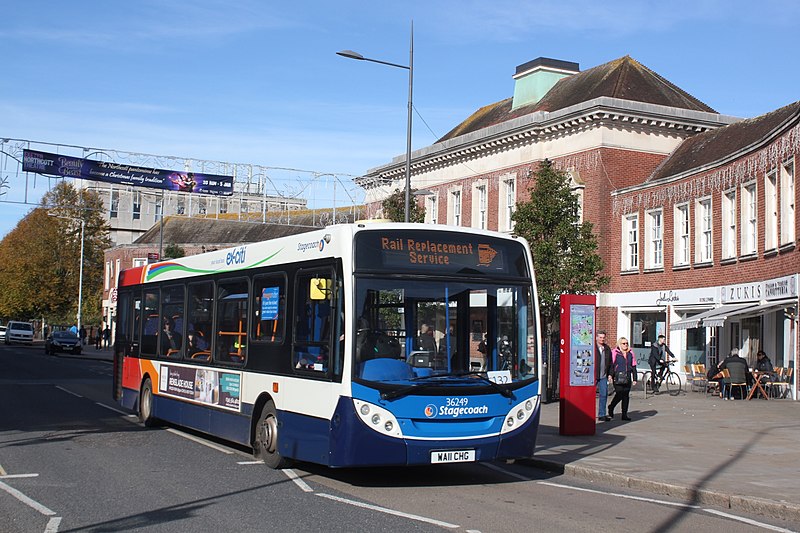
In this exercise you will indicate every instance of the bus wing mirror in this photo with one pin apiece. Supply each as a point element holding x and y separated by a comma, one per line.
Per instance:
<point>320,288</point>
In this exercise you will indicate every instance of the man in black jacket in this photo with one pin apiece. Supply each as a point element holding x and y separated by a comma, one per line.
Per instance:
<point>739,371</point>
<point>659,355</point>
<point>602,366</point>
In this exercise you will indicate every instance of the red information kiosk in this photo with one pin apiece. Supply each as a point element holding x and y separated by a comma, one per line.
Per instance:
<point>577,386</point>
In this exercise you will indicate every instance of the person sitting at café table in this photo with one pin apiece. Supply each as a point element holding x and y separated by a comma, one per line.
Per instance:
<point>737,367</point>
<point>714,374</point>
<point>764,366</point>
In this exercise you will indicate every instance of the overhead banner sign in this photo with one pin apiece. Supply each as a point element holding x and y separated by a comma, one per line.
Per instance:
<point>87,169</point>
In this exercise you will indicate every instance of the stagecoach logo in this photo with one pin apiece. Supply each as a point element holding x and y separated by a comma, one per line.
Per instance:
<point>318,245</point>
<point>430,410</point>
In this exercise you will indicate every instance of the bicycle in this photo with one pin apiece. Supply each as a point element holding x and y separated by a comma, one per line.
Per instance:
<point>665,376</point>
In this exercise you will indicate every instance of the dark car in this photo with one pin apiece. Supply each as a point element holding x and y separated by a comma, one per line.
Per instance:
<point>62,341</point>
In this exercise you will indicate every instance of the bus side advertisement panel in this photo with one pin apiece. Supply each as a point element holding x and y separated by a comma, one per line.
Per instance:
<point>215,388</point>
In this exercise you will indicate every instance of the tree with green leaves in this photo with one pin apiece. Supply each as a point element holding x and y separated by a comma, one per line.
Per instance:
<point>565,250</point>
<point>173,251</point>
<point>40,258</point>
<point>394,207</point>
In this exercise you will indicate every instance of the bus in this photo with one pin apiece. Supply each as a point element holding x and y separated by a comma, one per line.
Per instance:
<point>364,344</point>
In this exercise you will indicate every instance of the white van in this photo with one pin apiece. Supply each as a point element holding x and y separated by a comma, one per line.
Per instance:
<point>19,332</point>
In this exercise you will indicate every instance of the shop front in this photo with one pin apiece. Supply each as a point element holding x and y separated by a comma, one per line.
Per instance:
<point>753,316</point>
<point>646,315</point>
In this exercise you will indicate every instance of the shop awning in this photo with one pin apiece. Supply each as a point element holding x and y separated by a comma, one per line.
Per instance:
<point>712,314</point>
<point>691,321</point>
<point>751,310</point>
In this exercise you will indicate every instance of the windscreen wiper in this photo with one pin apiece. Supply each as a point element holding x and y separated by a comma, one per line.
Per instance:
<point>405,391</point>
<point>496,386</point>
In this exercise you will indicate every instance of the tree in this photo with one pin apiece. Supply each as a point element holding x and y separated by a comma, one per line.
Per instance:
<point>40,258</point>
<point>394,207</point>
<point>173,251</point>
<point>564,250</point>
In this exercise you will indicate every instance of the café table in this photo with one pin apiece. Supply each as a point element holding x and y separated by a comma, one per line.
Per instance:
<point>757,385</point>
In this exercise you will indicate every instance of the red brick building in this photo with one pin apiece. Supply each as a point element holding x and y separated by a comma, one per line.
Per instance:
<point>694,211</point>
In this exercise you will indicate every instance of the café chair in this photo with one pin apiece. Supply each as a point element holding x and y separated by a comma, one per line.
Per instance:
<point>783,385</point>
<point>714,387</point>
<point>743,390</point>
<point>698,377</point>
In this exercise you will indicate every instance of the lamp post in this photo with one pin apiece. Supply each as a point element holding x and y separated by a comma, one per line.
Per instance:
<point>410,68</point>
<point>80,269</point>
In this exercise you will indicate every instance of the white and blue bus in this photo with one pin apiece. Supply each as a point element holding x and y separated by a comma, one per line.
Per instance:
<point>355,345</point>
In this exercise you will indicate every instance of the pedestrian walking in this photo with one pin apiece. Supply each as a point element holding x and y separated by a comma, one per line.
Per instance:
<point>602,367</point>
<point>106,336</point>
<point>98,338</point>
<point>623,372</point>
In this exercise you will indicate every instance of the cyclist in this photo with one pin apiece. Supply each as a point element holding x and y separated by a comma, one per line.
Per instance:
<point>660,355</point>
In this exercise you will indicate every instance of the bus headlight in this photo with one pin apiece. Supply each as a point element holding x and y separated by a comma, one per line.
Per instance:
<point>519,414</point>
<point>377,418</point>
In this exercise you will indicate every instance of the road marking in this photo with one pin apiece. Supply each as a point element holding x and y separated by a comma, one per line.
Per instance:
<point>59,387</point>
<point>52,525</point>
<point>200,441</point>
<point>13,476</point>
<point>747,521</point>
<point>3,472</point>
<point>389,511</point>
<point>291,474</point>
<point>626,496</point>
<point>250,462</point>
<point>507,472</point>
<point>111,408</point>
<point>673,504</point>
<point>26,500</point>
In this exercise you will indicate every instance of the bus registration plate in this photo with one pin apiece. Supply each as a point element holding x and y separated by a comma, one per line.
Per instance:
<point>453,456</point>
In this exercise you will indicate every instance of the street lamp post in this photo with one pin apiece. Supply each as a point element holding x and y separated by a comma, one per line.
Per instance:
<point>80,268</point>
<point>410,68</point>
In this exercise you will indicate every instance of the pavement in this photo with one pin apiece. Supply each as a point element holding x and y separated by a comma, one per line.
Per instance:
<point>742,455</point>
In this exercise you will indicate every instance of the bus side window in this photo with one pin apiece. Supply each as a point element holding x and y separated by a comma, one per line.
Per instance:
<point>269,308</point>
<point>151,325</point>
<point>200,304</point>
<point>231,335</point>
<point>312,332</point>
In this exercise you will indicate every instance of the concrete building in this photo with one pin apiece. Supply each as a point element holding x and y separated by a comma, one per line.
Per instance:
<point>694,210</point>
<point>132,211</point>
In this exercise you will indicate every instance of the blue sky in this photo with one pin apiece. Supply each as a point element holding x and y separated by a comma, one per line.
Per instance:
<point>259,82</point>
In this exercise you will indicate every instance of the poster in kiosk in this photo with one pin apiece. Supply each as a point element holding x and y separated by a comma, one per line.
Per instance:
<point>577,384</point>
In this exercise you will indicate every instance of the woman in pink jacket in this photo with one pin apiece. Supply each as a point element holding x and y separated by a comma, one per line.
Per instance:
<point>623,375</point>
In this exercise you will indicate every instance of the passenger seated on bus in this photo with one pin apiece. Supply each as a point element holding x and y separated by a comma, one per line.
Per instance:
<point>424,341</point>
<point>195,343</point>
<point>170,339</point>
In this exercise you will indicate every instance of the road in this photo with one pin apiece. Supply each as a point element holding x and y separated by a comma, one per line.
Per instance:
<point>71,460</point>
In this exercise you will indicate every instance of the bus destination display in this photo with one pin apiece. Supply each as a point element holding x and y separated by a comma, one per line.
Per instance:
<point>447,252</point>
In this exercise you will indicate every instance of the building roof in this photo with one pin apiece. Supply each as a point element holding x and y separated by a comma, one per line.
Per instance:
<point>717,145</point>
<point>219,232</point>
<point>624,78</point>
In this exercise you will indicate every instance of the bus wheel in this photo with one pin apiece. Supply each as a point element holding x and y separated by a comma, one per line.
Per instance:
<point>146,404</point>
<point>265,446</point>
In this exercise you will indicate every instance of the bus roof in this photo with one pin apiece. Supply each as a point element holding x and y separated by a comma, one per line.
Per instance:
<point>331,241</point>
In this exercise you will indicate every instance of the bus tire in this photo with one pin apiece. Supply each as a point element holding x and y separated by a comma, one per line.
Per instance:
<point>146,404</point>
<point>265,443</point>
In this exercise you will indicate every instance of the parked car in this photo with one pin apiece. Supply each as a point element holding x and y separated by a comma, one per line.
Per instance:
<point>2,333</point>
<point>62,341</point>
<point>17,331</point>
